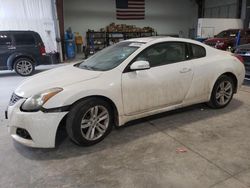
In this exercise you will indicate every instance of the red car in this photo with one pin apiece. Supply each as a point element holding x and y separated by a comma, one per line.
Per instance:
<point>226,40</point>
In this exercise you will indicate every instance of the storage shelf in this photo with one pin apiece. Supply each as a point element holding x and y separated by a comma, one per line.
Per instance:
<point>109,37</point>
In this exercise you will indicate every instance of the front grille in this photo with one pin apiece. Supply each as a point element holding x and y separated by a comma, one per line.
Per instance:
<point>14,98</point>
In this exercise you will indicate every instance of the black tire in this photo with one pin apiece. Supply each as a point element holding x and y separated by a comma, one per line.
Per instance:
<point>215,102</point>
<point>77,113</point>
<point>24,66</point>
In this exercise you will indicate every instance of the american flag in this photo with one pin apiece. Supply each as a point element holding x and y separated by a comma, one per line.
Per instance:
<point>130,9</point>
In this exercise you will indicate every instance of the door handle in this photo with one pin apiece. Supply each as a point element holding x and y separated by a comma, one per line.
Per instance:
<point>12,48</point>
<point>184,70</point>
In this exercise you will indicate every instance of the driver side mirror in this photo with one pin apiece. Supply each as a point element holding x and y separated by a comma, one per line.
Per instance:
<point>140,65</point>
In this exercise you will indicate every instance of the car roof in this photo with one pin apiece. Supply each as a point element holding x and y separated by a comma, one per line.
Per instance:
<point>157,39</point>
<point>236,30</point>
<point>17,31</point>
<point>143,39</point>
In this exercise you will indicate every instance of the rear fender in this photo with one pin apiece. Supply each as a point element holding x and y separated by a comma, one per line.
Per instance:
<point>12,57</point>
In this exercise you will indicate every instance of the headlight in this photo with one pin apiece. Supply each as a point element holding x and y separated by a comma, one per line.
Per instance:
<point>35,102</point>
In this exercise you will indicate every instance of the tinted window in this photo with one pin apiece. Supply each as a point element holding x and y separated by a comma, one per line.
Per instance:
<point>38,38</point>
<point>223,34</point>
<point>229,33</point>
<point>198,51</point>
<point>164,53</point>
<point>24,39</point>
<point>5,39</point>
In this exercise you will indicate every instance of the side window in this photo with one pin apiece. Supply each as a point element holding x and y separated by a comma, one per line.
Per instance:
<point>198,51</point>
<point>24,39</point>
<point>223,34</point>
<point>5,40</point>
<point>164,53</point>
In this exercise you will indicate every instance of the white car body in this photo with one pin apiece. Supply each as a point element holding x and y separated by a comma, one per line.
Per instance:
<point>134,94</point>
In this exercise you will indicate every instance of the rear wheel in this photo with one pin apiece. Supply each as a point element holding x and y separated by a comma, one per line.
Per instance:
<point>24,67</point>
<point>222,92</point>
<point>89,121</point>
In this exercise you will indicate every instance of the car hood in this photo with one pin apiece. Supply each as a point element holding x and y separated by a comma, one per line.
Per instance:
<point>58,77</point>
<point>217,40</point>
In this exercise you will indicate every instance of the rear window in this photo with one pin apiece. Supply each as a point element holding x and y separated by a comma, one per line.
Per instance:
<point>198,51</point>
<point>5,39</point>
<point>24,39</point>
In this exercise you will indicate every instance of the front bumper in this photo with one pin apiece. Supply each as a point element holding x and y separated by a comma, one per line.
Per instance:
<point>42,127</point>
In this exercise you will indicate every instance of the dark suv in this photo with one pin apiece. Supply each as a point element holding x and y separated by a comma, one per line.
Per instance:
<point>244,52</point>
<point>21,51</point>
<point>226,40</point>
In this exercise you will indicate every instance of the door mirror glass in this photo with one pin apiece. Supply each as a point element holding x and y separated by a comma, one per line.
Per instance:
<point>140,65</point>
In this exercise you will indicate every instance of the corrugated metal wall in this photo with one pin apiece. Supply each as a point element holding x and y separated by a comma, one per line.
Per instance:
<point>221,9</point>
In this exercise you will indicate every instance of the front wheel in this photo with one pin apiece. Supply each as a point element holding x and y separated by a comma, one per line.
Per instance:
<point>222,92</point>
<point>89,121</point>
<point>24,67</point>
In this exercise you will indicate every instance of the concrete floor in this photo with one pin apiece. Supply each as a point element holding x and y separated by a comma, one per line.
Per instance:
<point>141,154</point>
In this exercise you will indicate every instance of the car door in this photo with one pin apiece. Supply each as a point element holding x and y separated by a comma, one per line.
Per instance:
<point>5,49</point>
<point>165,84</point>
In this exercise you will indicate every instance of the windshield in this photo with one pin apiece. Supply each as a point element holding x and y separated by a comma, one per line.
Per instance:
<point>226,34</point>
<point>110,57</point>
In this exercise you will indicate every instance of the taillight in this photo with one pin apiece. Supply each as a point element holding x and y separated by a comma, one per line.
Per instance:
<point>239,58</point>
<point>42,50</point>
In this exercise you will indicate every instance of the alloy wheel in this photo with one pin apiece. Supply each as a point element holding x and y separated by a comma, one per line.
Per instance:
<point>24,67</point>
<point>94,122</point>
<point>224,92</point>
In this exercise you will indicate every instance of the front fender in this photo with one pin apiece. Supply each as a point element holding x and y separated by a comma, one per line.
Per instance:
<point>107,88</point>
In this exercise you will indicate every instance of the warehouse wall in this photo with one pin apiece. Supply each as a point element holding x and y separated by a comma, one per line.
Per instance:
<point>221,9</point>
<point>33,15</point>
<point>245,14</point>
<point>166,16</point>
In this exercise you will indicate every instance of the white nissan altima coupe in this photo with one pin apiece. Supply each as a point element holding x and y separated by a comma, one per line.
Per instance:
<point>129,80</point>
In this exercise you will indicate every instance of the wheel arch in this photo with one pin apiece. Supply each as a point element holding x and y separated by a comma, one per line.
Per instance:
<point>234,78</point>
<point>11,60</point>
<point>61,129</point>
<point>112,104</point>
<point>229,74</point>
